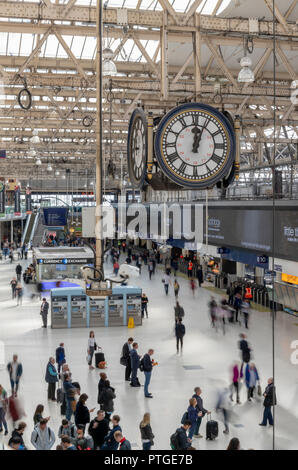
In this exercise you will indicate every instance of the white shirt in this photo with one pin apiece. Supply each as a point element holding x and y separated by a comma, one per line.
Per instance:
<point>91,342</point>
<point>14,366</point>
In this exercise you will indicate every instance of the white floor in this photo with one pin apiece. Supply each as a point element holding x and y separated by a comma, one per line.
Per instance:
<point>172,385</point>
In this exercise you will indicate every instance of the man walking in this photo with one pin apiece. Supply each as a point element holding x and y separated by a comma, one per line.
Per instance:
<point>15,370</point>
<point>44,310</point>
<point>147,364</point>
<point>60,356</point>
<point>135,364</point>
<point>144,305</point>
<point>125,358</point>
<point>270,400</point>
<point>180,333</point>
<point>19,270</point>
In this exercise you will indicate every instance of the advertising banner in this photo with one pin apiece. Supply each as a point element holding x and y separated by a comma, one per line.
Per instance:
<point>2,197</point>
<point>17,201</point>
<point>28,201</point>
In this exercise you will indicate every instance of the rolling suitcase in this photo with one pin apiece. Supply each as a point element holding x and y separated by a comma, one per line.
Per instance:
<point>99,357</point>
<point>211,429</point>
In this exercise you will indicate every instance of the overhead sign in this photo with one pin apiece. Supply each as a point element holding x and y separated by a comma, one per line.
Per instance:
<point>55,216</point>
<point>223,251</point>
<point>65,261</point>
<point>262,259</point>
<point>290,279</point>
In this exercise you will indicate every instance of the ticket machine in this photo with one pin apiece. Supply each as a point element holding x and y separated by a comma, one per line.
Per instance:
<point>97,307</point>
<point>115,310</point>
<point>78,309</point>
<point>59,311</point>
<point>134,308</point>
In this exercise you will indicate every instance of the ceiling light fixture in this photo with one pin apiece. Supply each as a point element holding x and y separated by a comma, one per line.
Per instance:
<point>109,67</point>
<point>246,75</point>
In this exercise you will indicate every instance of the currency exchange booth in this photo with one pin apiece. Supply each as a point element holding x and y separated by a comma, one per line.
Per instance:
<point>61,266</point>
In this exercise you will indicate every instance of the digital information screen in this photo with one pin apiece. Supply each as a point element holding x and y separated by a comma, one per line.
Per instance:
<point>252,229</point>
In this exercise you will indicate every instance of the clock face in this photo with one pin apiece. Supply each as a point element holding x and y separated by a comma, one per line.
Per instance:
<point>137,148</point>
<point>195,145</point>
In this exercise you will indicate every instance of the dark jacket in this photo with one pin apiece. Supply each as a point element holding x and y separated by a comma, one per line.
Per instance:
<point>135,359</point>
<point>69,389</point>
<point>82,415</point>
<point>125,445</point>
<point>200,275</point>
<point>180,330</point>
<point>200,406</point>
<point>146,433</point>
<point>16,433</point>
<point>147,361</point>
<point>192,414</point>
<point>44,308</point>
<point>110,442</point>
<point>51,374</point>
<point>125,354</point>
<point>60,355</point>
<point>270,396</point>
<point>179,311</point>
<point>244,348</point>
<point>182,439</point>
<point>19,269</point>
<point>100,432</point>
<point>106,399</point>
<point>101,386</point>
<point>19,369</point>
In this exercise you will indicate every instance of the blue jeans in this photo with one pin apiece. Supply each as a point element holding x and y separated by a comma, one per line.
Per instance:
<point>69,411</point>
<point>192,430</point>
<point>146,445</point>
<point>14,384</point>
<point>147,382</point>
<point>2,419</point>
<point>267,416</point>
<point>198,424</point>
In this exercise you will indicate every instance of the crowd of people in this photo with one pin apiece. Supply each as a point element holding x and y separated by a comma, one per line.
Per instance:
<point>101,428</point>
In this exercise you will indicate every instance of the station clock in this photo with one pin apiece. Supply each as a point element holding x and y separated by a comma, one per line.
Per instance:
<point>194,146</point>
<point>137,148</point>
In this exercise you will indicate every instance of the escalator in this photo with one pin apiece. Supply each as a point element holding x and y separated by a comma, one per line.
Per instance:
<point>28,228</point>
<point>39,230</point>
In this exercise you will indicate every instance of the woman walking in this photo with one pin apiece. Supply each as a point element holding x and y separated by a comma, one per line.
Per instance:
<point>3,410</point>
<point>19,293</point>
<point>176,288</point>
<point>147,435</point>
<point>92,346</point>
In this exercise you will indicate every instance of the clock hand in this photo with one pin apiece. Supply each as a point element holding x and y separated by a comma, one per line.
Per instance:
<point>198,139</point>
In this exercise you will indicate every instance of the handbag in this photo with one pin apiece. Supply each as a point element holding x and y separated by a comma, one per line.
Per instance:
<point>259,391</point>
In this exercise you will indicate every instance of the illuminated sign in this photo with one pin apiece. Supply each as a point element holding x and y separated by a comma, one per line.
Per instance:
<point>290,279</point>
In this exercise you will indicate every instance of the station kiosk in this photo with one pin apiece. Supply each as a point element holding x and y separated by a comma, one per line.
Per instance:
<point>97,309</point>
<point>59,311</point>
<point>134,308</point>
<point>78,314</point>
<point>71,307</point>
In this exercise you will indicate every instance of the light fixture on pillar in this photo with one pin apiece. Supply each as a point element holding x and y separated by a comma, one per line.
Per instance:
<point>246,74</point>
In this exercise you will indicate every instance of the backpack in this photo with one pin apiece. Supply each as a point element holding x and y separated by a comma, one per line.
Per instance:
<point>82,444</point>
<point>174,440</point>
<point>184,417</point>
<point>142,365</point>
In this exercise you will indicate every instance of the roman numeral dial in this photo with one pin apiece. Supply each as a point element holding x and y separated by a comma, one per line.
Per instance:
<point>195,145</point>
